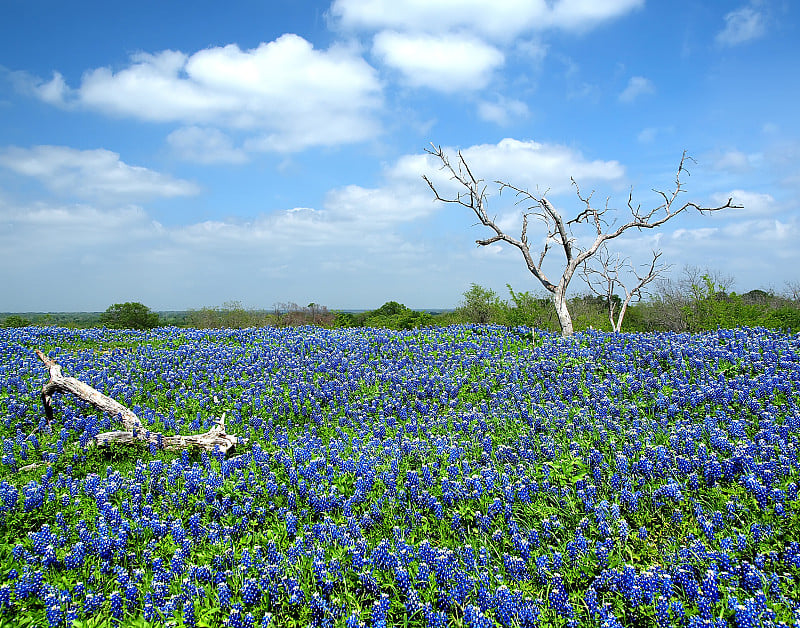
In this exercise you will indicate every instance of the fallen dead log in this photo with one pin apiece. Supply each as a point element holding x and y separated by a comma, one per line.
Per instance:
<point>135,431</point>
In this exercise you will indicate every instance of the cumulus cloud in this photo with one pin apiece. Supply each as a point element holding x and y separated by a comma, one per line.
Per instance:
<point>98,175</point>
<point>285,92</point>
<point>375,238</point>
<point>455,45</point>
<point>753,203</point>
<point>205,146</point>
<point>741,25</point>
<point>377,208</point>
<point>530,164</point>
<point>445,63</point>
<point>92,222</point>
<point>502,19</point>
<point>353,216</point>
<point>502,111</point>
<point>734,161</point>
<point>697,235</point>
<point>637,86</point>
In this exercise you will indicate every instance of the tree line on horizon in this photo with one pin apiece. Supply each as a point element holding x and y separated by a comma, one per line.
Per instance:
<point>698,301</point>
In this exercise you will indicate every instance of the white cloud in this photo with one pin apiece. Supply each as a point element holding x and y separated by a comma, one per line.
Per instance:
<point>501,19</point>
<point>54,91</point>
<point>445,63</point>
<point>352,217</point>
<point>286,92</point>
<point>84,219</point>
<point>526,164</point>
<point>696,235</point>
<point>534,50</point>
<point>530,164</point>
<point>637,86</point>
<point>742,25</point>
<point>381,242</point>
<point>735,161</point>
<point>98,175</point>
<point>647,135</point>
<point>502,111</point>
<point>205,146</point>
<point>377,208</point>
<point>753,203</point>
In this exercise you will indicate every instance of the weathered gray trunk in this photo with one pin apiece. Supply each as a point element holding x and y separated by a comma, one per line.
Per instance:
<point>564,318</point>
<point>136,431</point>
<point>620,317</point>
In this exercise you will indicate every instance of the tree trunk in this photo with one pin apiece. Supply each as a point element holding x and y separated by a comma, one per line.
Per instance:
<point>564,318</point>
<point>618,325</point>
<point>136,431</point>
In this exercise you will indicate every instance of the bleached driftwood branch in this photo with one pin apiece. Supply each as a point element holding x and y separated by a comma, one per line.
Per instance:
<point>135,431</point>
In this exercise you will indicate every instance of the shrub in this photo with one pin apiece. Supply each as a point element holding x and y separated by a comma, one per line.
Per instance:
<point>129,316</point>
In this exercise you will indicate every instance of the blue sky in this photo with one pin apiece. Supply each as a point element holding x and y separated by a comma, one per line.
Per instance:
<point>268,152</point>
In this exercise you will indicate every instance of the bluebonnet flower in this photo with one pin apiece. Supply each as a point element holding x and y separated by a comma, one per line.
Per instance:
<point>234,618</point>
<point>558,598</point>
<point>380,608</point>
<point>5,599</point>
<point>706,435</point>
<point>662,612</point>
<point>746,615</point>
<point>189,618</point>
<point>223,595</point>
<point>116,608</point>
<point>476,619</point>
<point>54,612</point>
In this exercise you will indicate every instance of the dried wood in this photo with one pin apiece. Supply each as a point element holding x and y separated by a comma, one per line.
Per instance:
<point>135,431</point>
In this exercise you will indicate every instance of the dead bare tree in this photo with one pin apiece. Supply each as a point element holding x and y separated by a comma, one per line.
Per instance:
<point>559,231</point>
<point>792,292</point>
<point>135,431</point>
<point>605,280</point>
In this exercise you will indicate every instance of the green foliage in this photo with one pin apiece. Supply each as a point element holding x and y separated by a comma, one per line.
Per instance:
<point>129,316</point>
<point>699,302</point>
<point>15,321</point>
<point>391,315</point>
<point>711,307</point>
<point>589,311</point>
<point>480,306</point>
<point>390,308</point>
<point>345,319</point>
<point>785,317</point>
<point>231,315</point>
<point>529,310</point>
<point>483,306</point>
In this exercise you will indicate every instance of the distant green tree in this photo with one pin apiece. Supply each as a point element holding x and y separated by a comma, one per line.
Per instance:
<point>710,306</point>
<point>759,297</point>
<point>390,308</point>
<point>529,310</point>
<point>15,321</point>
<point>480,305</point>
<point>785,317</point>
<point>345,319</point>
<point>391,315</point>
<point>129,316</point>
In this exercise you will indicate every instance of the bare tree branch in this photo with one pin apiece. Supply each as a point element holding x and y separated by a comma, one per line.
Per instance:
<point>475,199</point>
<point>472,195</point>
<point>135,430</point>
<point>604,281</point>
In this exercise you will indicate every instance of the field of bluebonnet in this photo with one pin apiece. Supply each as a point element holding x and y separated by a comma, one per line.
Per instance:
<point>459,476</point>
